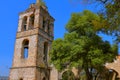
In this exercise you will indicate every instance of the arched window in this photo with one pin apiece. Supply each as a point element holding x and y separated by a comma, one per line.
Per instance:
<point>45,51</point>
<point>24,26</point>
<point>32,18</point>
<point>25,48</point>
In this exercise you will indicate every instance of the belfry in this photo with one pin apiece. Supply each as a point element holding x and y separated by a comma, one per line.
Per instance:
<point>33,43</point>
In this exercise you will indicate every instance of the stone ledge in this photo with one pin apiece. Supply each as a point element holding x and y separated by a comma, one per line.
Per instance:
<point>27,33</point>
<point>30,67</point>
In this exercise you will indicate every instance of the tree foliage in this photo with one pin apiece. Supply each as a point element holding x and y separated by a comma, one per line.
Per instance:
<point>111,15</point>
<point>81,45</point>
<point>68,75</point>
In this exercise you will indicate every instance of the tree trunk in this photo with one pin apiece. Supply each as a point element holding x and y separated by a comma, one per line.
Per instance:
<point>88,74</point>
<point>96,76</point>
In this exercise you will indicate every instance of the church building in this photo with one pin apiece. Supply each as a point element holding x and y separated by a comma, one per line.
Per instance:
<point>33,42</point>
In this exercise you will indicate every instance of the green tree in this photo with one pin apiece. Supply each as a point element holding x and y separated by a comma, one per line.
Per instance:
<point>111,14</point>
<point>81,46</point>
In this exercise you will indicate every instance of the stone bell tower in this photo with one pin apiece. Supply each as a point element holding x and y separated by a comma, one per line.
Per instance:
<point>32,45</point>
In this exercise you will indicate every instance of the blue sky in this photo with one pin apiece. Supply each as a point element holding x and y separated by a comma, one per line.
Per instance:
<point>9,13</point>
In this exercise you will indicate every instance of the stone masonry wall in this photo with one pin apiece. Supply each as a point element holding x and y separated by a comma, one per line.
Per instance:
<point>23,73</point>
<point>18,61</point>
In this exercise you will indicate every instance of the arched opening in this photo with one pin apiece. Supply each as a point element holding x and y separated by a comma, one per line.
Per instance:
<point>43,26</point>
<point>114,75</point>
<point>25,49</point>
<point>68,75</point>
<point>51,28</point>
<point>45,51</point>
<point>48,28</point>
<point>32,18</point>
<point>44,78</point>
<point>24,24</point>
<point>21,79</point>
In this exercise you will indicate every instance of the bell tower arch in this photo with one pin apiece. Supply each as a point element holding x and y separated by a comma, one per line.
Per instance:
<point>33,42</point>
